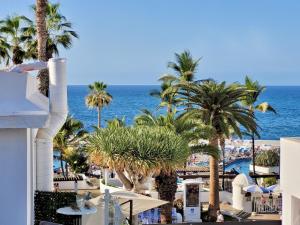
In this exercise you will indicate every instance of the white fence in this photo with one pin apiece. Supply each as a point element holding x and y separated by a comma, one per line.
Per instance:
<point>263,204</point>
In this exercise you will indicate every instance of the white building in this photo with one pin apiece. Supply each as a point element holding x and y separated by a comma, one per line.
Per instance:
<point>290,180</point>
<point>28,123</point>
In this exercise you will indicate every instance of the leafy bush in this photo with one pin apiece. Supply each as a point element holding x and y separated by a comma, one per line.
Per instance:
<point>268,158</point>
<point>268,181</point>
<point>77,160</point>
<point>46,203</point>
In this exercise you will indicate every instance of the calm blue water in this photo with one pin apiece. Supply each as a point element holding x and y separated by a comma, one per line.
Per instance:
<point>241,166</point>
<point>128,100</point>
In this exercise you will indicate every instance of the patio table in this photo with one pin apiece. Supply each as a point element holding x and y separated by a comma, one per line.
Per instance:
<point>77,214</point>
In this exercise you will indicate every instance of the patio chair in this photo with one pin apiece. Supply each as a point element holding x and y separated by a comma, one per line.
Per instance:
<point>48,223</point>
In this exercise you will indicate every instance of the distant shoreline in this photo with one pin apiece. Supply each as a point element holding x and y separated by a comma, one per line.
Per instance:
<point>258,142</point>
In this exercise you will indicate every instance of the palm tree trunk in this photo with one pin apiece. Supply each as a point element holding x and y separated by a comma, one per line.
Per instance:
<point>222,144</point>
<point>42,36</point>
<point>169,108</point>
<point>166,187</point>
<point>253,155</point>
<point>67,172</point>
<point>41,28</point>
<point>62,165</point>
<point>214,203</point>
<point>99,117</point>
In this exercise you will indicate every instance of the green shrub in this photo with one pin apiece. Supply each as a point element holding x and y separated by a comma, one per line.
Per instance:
<point>268,181</point>
<point>268,158</point>
<point>77,160</point>
<point>46,203</point>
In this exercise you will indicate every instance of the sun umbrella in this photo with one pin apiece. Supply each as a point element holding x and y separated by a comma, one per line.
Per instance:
<point>140,202</point>
<point>253,189</point>
<point>274,188</point>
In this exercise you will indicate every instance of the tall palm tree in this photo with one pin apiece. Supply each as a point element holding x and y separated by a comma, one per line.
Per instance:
<point>40,44</point>
<point>98,98</point>
<point>59,32</point>
<point>68,138</point>
<point>250,101</point>
<point>217,105</point>
<point>185,68</point>
<point>222,146</point>
<point>41,29</point>
<point>53,31</point>
<point>11,28</point>
<point>191,131</point>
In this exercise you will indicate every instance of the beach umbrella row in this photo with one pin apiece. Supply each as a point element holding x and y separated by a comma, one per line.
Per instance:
<point>257,189</point>
<point>274,188</point>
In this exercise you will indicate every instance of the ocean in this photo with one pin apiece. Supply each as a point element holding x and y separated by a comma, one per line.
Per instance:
<point>129,100</point>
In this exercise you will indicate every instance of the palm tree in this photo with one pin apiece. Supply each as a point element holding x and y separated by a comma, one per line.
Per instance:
<point>59,31</point>
<point>217,105</point>
<point>68,138</point>
<point>169,100</point>
<point>189,130</point>
<point>11,27</point>
<point>184,67</point>
<point>250,101</point>
<point>222,146</point>
<point>40,44</point>
<point>41,29</point>
<point>114,123</point>
<point>98,98</point>
<point>53,30</point>
<point>4,51</point>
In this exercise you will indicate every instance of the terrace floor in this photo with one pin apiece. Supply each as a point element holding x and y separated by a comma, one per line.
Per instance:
<point>257,217</point>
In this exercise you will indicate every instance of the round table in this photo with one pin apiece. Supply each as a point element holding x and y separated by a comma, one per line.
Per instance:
<point>77,214</point>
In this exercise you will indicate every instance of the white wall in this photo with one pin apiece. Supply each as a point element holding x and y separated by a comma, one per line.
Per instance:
<point>264,170</point>
<point>290,179</point>
<point>13,187</point>
<point>70,185</point>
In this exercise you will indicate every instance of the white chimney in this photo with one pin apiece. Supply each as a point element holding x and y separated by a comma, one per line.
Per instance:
<point>57,116</point>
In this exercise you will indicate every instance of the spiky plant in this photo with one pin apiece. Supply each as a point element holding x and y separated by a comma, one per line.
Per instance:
<point>136,153</point>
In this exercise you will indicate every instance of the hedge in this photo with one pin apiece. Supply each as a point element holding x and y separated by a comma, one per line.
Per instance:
<point>46,204</point>
<point>268,158</point>
<point>77,177</point>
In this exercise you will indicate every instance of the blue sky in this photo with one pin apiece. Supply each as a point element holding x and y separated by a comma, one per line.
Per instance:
<point>130,42</point>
